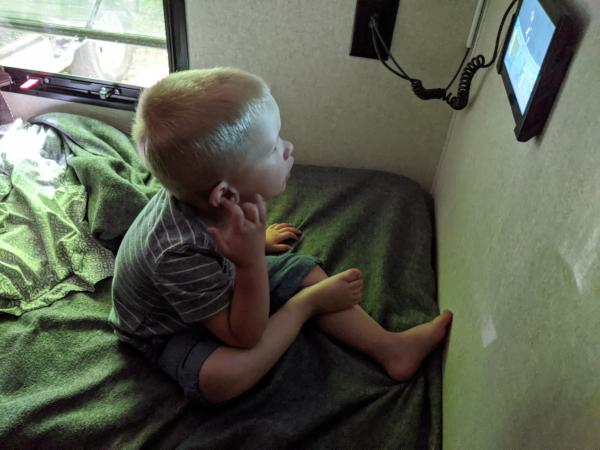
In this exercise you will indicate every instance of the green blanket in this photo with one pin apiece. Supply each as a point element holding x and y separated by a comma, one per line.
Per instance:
<point>68,183</point>
<point>46,248</point>
<point>65,381</point>
<point>105,161</point>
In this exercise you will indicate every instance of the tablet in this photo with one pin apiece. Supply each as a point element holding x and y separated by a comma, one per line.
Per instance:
<point>534,61</point>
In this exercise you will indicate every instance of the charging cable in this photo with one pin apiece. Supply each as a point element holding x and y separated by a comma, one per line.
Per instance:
<point>460,100</point>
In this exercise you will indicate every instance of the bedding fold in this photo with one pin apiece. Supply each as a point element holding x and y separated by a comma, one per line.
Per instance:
<point>106,163</point>
<point>70,186</point>
<point>46,248</point>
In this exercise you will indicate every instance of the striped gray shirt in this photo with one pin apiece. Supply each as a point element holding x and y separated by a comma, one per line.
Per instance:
<point>168,274</point>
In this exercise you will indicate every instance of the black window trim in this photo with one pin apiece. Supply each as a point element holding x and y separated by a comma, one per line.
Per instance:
<point>177,41</point>
<point>76,89</point>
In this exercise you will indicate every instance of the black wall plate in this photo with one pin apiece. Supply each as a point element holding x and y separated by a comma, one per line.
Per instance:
<point>362,42</point>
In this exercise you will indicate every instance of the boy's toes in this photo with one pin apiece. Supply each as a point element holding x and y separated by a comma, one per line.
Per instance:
<point>352,275</point>
<point>445,317</point>
<point>356,290</point>
<point>356,285</point>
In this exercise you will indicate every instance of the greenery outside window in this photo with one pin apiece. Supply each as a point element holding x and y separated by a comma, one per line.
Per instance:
<point>93,51</point>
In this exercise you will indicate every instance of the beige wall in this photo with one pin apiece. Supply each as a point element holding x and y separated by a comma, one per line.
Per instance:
<point>337,109</point>
<point>519,263</point>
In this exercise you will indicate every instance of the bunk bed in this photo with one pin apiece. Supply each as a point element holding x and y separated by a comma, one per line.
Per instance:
<point>69,188</point>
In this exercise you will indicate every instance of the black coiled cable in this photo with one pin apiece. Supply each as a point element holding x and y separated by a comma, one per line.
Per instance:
<point>460,100</point>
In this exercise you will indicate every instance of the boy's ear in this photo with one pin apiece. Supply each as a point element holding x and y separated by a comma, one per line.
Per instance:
<point>223,190</point>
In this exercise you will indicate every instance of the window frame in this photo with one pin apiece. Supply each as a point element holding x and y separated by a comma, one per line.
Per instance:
<point>72,88</point>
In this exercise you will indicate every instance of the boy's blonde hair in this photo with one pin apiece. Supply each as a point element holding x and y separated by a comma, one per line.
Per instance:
<point>192,127</point>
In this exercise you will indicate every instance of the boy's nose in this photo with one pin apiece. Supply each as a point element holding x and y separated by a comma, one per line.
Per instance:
<point>288,149</point>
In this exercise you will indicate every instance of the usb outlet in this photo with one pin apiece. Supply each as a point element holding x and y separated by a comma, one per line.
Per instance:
<point>362,42</point>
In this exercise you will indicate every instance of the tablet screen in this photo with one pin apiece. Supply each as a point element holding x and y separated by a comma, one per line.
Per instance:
<point>527,49</point>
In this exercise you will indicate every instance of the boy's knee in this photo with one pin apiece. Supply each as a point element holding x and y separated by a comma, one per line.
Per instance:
<point>314,276</point>
<point>219,384</point>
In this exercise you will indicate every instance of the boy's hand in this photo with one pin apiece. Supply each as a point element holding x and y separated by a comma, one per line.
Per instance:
<point>242,238</point>
<point>276,236</point>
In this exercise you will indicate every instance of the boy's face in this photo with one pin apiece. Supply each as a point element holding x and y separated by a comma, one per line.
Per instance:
<point>268,175</point>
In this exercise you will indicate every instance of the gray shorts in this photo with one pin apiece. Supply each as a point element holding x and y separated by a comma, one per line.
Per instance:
<point>185,352</point>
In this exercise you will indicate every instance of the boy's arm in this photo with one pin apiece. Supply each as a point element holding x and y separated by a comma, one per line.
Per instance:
<point>242,240</point>
<point>242,324</point>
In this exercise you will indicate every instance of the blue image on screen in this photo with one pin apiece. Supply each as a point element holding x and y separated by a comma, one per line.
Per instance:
<point>527,48</point>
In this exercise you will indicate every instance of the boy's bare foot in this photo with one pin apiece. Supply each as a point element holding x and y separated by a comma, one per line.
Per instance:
<point>407,349</point>
<point>333,294</point>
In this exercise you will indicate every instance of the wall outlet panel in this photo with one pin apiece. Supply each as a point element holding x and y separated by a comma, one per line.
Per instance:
<point>362,42</point>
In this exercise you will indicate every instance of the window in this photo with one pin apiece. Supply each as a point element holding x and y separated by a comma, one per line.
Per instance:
<point>93,51</point>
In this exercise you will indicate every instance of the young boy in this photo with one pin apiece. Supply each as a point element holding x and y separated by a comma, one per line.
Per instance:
<point>193,290</point>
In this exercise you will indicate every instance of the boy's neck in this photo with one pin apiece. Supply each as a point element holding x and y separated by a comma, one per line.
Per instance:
<point>209,214</point>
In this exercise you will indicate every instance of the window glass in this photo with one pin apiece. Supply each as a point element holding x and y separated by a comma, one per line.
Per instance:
<point>121,41</point>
